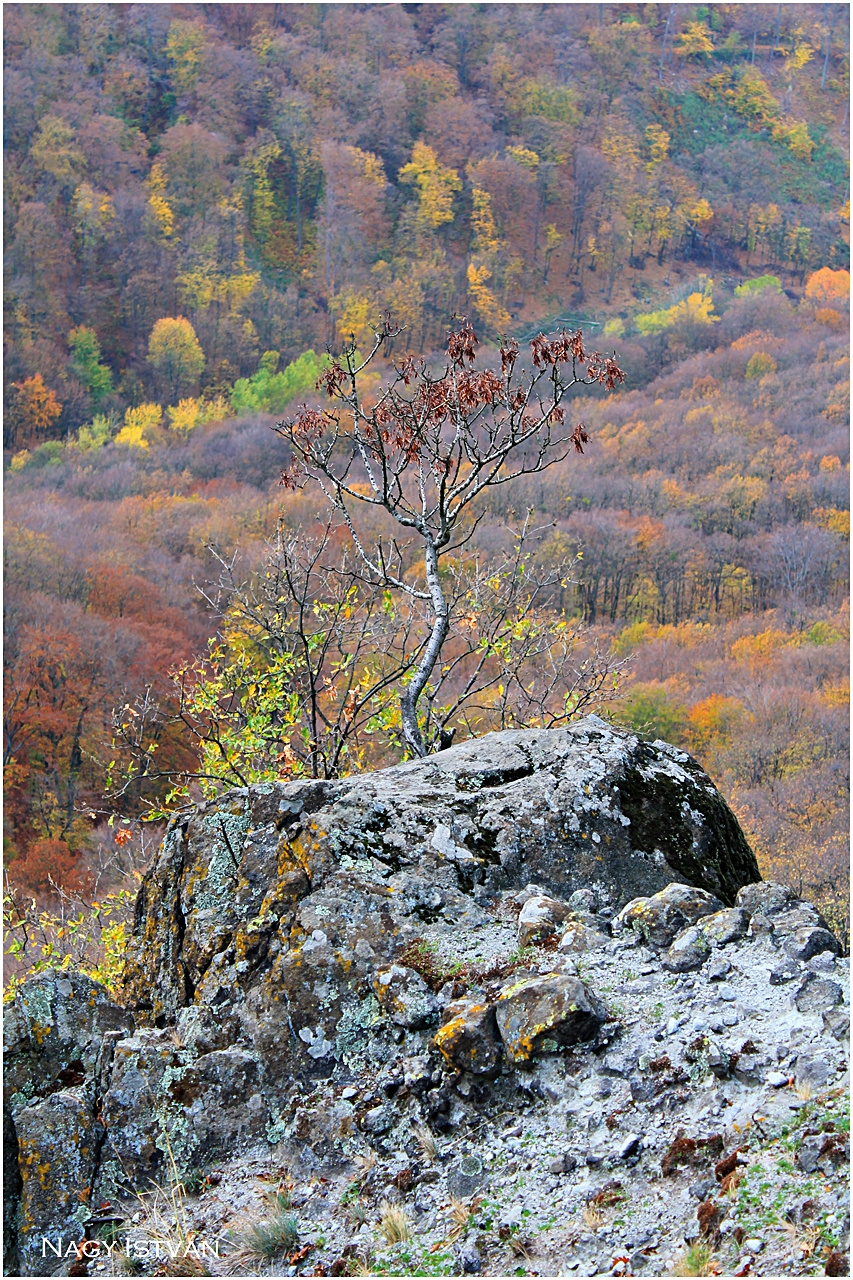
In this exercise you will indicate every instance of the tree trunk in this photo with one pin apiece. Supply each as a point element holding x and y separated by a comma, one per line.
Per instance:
<point>440,629</point>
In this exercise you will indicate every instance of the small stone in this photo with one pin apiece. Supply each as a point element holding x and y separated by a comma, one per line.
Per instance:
<point>726,926</point>
<point>556,1008</point>
<point>468,1040</point>
<point>405,996</point>
<point>837,1023</point>
<point>823,962</point>
<point>776,1079</point>
<point>689,951</point>
<point>784,973</point>
<point>753,1244</point>
<point>582,935</point>
<point>726,992</point>
<point>718,968</point>
<point>539,918</point>
<point>467,1177</point>
<point>730,1018</point>
<point>378,1120</point>
<point>817,995</point>
<point>809,1153</point>
<point>589,900</point>
<point>813,1071</point>
<point>749,1067</point>
<point>630,1145</point>
<point>469,1259</point>
<point>701,1190</point>
<point>809,941</point>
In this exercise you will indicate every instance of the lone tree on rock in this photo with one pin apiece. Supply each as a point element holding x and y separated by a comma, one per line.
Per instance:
<point>427,449</point>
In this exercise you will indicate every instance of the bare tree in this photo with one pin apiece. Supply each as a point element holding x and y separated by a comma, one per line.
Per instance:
<point>428,449</point>
<point>302,676</point>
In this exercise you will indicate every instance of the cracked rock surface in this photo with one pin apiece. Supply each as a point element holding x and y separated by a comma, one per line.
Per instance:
<point>534,976</point>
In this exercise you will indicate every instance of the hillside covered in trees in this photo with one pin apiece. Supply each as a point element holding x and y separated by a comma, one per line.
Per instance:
<point>204,200</point>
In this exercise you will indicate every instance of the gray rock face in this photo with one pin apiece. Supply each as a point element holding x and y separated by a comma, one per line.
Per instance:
<point>60,1138</point>
<point>58,1038</point>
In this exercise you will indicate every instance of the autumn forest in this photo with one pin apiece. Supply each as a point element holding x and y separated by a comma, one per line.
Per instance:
<point>233,233</point>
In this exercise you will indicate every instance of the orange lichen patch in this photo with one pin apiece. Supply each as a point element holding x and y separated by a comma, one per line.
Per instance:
<point>292,856</point>
<point>447,1034</point>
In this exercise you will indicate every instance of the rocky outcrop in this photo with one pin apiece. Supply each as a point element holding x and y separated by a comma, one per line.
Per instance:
<point>271,906</point>
<point>504,929</point>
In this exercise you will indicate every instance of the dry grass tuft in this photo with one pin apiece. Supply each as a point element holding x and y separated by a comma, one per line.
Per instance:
<point>426,1142</point>
<point>394,1223</point>
<point>592,1216</point>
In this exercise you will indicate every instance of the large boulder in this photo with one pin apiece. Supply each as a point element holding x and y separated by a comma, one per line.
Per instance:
<point>268,913</point>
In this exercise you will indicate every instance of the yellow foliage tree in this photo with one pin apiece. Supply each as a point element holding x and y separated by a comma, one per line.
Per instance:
<point>258,164</point>
<point>528,159</point>
<point>490,311</point>
<point>695,41</point>
<point>658,141</point>
<point>175,353</point>
<point>834,520</point>
<point>483,223</point>
<point>137,423</point>
<point>183,416</point>
<point>801,52</point>
<point>216,410</point>
<point>759,364</point>
<point>91,213</point>
<point>160,209</point>
<point>795,135</point>
<point>352,312</point>
<point>369,166</point>
<point>184,50</point>
<point>436,185</point>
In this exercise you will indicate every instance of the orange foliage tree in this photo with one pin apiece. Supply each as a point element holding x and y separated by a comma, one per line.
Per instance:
<point>47,864</point>
<point>828,287</point>
<point>32,414</point>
